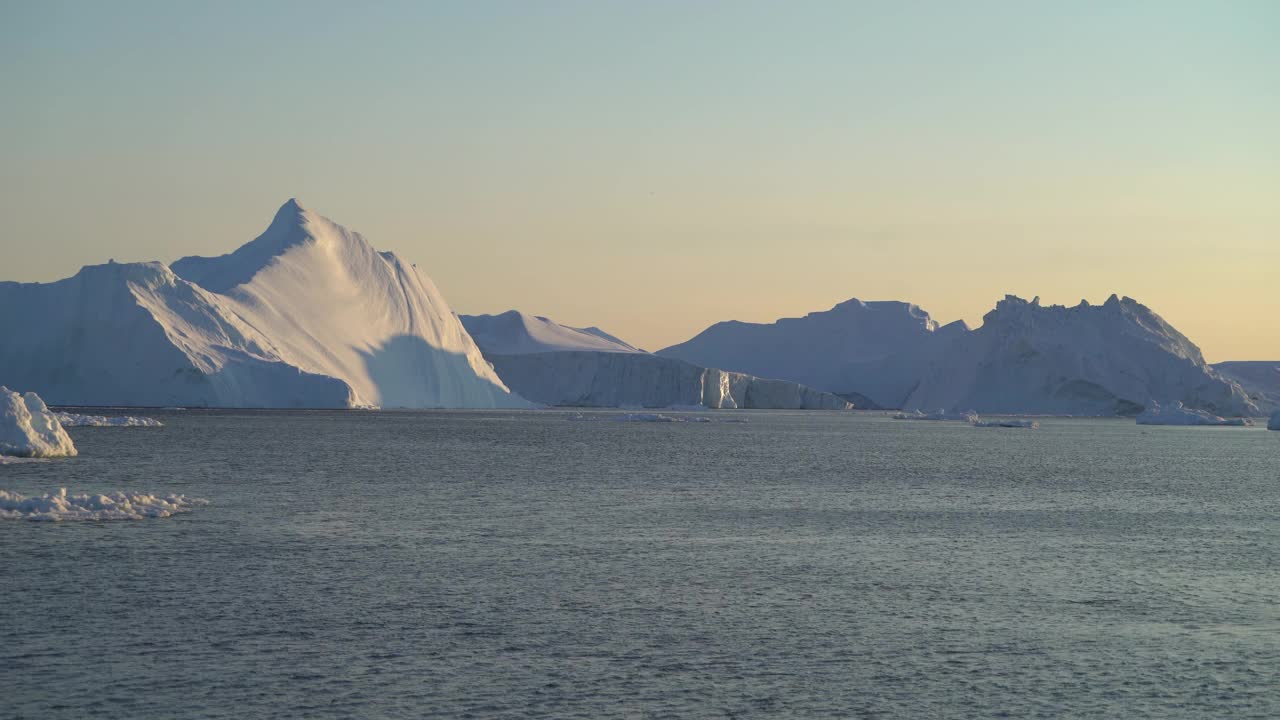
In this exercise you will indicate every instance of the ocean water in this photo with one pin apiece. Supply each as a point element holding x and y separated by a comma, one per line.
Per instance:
<point>467,564</point>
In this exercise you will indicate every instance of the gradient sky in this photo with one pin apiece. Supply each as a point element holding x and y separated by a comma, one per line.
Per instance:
<point>653,167</point>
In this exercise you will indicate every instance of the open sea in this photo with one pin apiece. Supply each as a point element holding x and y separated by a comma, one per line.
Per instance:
<point>520,564</point>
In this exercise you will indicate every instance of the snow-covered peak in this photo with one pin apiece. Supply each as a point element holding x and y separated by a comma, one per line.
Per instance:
<point>517,333</point>
<point>291,226</point>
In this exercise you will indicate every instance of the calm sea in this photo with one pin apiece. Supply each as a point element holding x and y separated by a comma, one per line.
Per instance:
<point>467,564</point>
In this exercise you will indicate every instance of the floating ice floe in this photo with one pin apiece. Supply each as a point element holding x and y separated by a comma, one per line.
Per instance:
<point>110,506</point>
<point>968,416</point>
<point>1177,414</point>
<point>1274,422</point>
<point>649,417</point>
<point>75,420</point>
<point>29,429</point>
<point>1005,423</point>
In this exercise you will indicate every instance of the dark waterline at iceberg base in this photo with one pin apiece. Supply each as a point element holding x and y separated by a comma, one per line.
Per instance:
<point>487,564</point>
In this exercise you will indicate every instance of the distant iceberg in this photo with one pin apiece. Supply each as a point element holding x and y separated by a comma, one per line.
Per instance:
<point>1177,414</point>
<point>29,429</point>
<point>1274,422</point>
<point>74,420</point>
<point>60,506</point>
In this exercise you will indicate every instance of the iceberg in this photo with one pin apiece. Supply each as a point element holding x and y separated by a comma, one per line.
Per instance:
<point>307,315</point>
<point>1274,422</point>
<point>1176,414</point>
<point>29,429</point>
<point>609,379</point>
<point>60,506</point>
<point>859,350</point>
<point>516,333</point>
<point>558,365</point>
<point>1259,378</point>
<point>66,419</point>
<point>1110,359</point>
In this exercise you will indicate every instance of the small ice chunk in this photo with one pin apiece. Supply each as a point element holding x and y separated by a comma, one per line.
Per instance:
<point>29,429</point>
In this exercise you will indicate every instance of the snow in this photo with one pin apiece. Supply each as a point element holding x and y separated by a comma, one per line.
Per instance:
<point>516,333</point>
<point>75,420</point>
<point>874,349</point>
<point>29,429</point>
<point>1176,414</point>
<point>608,379</point>
<point>109,506</point>
<point>308,314</point>
<point>1274,422</point>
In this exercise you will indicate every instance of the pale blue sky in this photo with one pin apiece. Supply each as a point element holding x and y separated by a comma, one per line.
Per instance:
<point>654,167</point>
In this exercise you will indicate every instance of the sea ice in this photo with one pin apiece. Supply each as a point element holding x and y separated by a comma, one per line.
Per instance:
<point>1005,423</point>
<point>1176,414</point>
<point>648,417</point>
<point>110,506</point>
<point>74,420</point>
<point>29,429</point>
<point>968,416</point>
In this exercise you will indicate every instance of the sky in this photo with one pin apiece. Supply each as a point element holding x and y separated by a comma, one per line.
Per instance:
<point>655,167</point>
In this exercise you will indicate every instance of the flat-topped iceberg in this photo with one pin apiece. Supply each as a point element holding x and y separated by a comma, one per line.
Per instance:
<point>109,506</point>
<point>1176,414</point>
<point>29,429</point>
<point>76,420</point>
<point>1274,422</point>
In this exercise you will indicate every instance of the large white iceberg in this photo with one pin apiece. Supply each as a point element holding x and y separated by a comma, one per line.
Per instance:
<point>29,429</point>
<point>308,314</point>
<point>108,506</point>
<point>1176,414</point>
<point>67,419</point>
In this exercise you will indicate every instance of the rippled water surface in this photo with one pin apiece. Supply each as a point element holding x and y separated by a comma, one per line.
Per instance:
<point>406,565</point>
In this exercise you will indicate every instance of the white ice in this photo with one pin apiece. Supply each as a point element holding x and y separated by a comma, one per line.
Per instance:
<point>29,429</point>
<point>76,420</point>
<point>1176,414</point>
<point>308,314</point>
<point>110,506</point>
<point>968,416</point>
